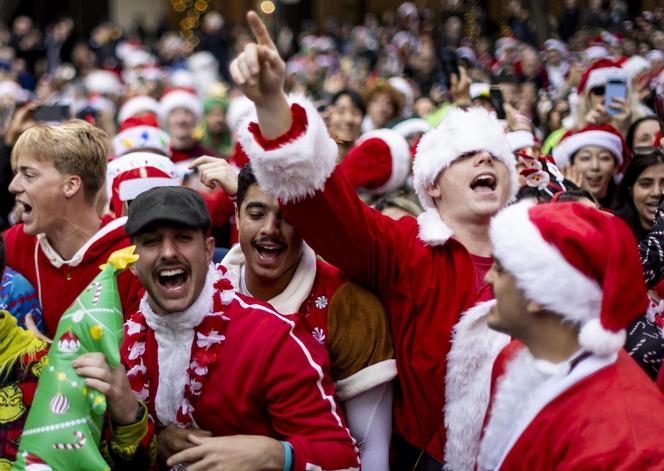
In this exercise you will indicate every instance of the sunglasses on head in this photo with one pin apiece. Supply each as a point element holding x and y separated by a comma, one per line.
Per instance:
<point>599,90</point>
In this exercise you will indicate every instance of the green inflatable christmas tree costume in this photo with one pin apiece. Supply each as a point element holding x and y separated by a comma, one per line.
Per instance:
<point>63,429</point>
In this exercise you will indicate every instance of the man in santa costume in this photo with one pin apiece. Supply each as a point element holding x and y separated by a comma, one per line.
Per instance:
<point>61,240</point>
<point>273,264</point>
<point>565,395</point>
<point>252,384</point>
<point>426,271</point>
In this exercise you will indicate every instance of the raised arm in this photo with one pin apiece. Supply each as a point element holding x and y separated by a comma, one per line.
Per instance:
<point>293,158</point>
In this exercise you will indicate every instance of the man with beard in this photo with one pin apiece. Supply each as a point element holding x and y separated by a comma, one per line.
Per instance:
<point>61,240</point>
<point>565,395</point>
<point>425,271</point>
<point>273,264</point>
<point>250,385</point>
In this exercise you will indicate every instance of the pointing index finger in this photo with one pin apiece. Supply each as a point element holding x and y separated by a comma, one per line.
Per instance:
<point>259,30</point>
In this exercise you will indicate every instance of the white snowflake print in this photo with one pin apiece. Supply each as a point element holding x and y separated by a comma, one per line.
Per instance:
<point>133,327</point>
<point>136,369</point>
<point>137,350</point>
<point>318,334</point>
<point>321,302</point>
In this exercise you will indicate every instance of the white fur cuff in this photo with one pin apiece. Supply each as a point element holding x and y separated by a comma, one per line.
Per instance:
<point>298,168</point>
<point>365,379</point>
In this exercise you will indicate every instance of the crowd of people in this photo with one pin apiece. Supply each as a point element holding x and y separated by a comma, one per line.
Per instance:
<point>405,244</point>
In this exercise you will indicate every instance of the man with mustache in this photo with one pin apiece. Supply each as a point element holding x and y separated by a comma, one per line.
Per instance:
<point>425,271</point>
<point>250,385</point>
<point>273,264</point>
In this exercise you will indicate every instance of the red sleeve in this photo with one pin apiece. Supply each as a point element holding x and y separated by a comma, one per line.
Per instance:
<point>220,207</point>
<point>131,291</point>
<point>368,165</point>
<point>360,241</point>
<point>300,398</point>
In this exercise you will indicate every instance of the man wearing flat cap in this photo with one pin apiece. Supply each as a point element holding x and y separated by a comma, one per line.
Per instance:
<point>249,384</point>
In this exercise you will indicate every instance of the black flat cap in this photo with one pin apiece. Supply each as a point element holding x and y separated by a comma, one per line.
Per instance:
<point>170,205</point>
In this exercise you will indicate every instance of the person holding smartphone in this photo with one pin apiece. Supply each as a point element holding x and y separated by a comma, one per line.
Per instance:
<point>620,110</point>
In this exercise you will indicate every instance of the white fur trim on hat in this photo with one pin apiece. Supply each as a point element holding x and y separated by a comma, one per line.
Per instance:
<point>103,82</point>
<point>556,45</point>
<point>598,77</point>
<point>461,132</point>
<point>141,138</point>
<point>600,341</point>
<point>180,99</point>
<point>400,155</point>
<point>635,65</point>
<point>540,270</point>
<point>431,228</point>
<point>655,55</point>
<point>520,139</point>
<point>411,126</point>
<point>595,52</point>
<point>298,168</point>
<point>567,147</point>
<point>130,189</point>
<point>134,160</point>
<point>137,105</point>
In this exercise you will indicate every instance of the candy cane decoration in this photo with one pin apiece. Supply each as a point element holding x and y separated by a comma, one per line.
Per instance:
<point>72,446</point>
<point>98,287</point>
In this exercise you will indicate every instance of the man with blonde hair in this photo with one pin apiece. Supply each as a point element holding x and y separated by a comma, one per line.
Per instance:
<point>60,240</point>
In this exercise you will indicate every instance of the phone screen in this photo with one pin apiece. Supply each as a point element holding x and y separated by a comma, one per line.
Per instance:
<point>497,101</point>
<point>52,113</point>
<point>615,87</point>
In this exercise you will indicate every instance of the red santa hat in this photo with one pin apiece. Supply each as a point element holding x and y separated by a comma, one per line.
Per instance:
<point>134,173</point>
<point>138,105</point>
<point>103,82</point>
<point>379,162</point>
<point>141,133</point>
<point>460,133</point>
<point>180,98</point>
<point>633,66</point>
<point>520,140</point>
<point>605,136</point>
<point>575,261</point>
<point>597,73</point>
<point>595,52</point>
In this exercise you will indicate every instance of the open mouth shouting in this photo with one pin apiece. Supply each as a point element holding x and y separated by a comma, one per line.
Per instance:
<point>268,249</point>
<point>484,183</point>
<point>172,280</point>
<point>26,210</point>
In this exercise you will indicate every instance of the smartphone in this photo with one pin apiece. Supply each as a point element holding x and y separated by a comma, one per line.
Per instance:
<point>56,113</point>
<point>449,62</point>
<point>616,86</point>
<point>496,95</point>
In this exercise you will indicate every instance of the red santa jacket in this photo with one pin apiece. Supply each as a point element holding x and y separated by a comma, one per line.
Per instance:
<point>609,417</point>
<point>424,278</point>
<point>259,373</point>
<point>340,315</point>
<point>58,282</point>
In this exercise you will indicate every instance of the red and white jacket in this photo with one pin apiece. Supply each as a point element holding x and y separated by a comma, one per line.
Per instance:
<point>424,277</point>
<point>58,282</point>
<point>587,413</point>
<point>233,365</point>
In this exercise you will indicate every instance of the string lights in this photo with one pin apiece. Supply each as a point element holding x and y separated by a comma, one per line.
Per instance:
<point>189,14</point>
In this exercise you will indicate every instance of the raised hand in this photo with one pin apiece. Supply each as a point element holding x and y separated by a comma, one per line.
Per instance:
<point>259,72</point>
<point>215,172</point>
